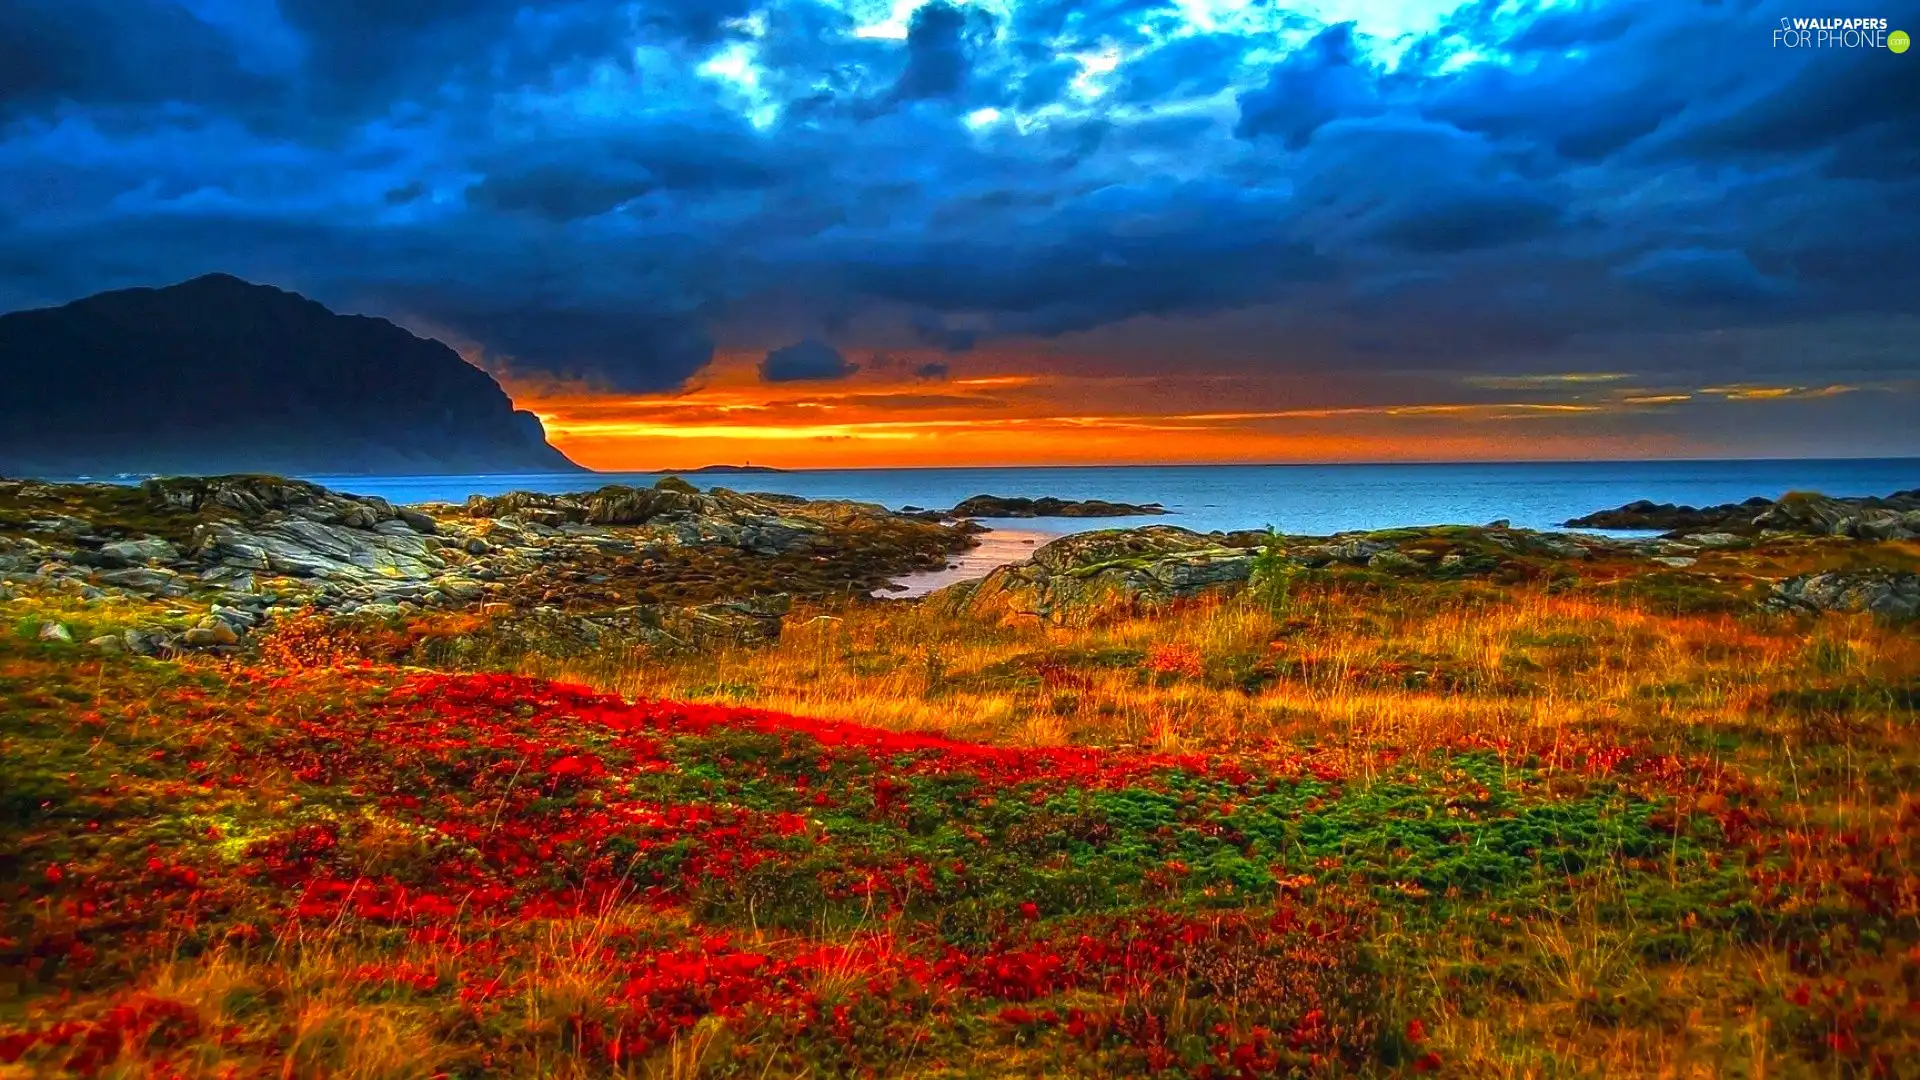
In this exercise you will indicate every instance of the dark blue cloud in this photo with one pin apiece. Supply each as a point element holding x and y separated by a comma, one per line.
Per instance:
<point>1324,81</point>
<point>805,361</point>
<point>1184,67</point>
<point>116,52</point>
<point>938,65</point>
<point>1421,187</point>
<point>1045,83</point>
<point>1704,275</point>
<point>606,189</point>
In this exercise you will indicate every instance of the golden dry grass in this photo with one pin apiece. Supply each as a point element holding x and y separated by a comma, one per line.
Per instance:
<point>1353,668</point>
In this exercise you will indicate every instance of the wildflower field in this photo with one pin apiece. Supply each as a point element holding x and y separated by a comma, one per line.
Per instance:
<point>1487,831</point>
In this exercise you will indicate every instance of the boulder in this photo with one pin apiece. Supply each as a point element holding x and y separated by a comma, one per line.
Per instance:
<point>1393,562</point>
<point>1084,552</point>
<point>1078,575</point>
<point>748,621</point>
<point>1887,593</point>
<point>1807,513</point>
<point>416,520</point>
<point>1358,551</point>
<point>54,631</point>
<point>148,580</point>
<point>142,552</point>
<point>141,642</point>
<point>460,589</point>
<point>212,631</point>
<point>239,619</point>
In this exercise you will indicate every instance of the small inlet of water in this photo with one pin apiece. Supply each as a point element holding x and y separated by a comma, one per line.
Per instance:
<point>998,547</point>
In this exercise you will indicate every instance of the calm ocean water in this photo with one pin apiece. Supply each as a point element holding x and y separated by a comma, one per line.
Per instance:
<point>1294,498</point>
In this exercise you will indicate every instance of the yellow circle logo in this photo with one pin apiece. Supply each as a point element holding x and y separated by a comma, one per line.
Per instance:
<point>1898,41</point>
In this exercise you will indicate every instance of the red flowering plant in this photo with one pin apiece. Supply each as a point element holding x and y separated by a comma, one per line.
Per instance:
<point>546,871</point>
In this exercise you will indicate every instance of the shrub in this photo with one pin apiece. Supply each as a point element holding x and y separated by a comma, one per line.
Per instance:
<point>1271,581</point>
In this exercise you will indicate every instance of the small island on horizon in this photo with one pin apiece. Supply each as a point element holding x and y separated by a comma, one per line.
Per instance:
<point>706,469</point>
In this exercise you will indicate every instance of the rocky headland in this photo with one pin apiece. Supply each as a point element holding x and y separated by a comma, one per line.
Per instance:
<point>1894,517</point>
<point>218,375</point>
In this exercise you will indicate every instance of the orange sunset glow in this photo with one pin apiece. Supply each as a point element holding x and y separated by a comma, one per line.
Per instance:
<point>878,419</point>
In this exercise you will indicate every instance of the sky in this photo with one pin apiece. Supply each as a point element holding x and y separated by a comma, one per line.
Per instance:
<point>891,232</point>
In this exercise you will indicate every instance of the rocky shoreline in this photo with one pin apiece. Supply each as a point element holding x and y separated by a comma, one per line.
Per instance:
<point>208,561</point>
<point>1894,517</point>
<point>638,561</point>
<point>1085,575</point>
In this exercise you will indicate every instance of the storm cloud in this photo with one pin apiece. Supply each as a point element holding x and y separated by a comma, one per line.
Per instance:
<point>805,361</point>
<point>608,191</point>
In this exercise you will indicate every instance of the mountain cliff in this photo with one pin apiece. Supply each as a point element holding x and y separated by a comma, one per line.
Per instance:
<point>217,375</point>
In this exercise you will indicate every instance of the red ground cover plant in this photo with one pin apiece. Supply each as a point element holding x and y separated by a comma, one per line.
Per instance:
<point>534,872</point>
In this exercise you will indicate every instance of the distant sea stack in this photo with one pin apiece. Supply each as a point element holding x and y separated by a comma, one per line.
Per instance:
<point>217,375</point>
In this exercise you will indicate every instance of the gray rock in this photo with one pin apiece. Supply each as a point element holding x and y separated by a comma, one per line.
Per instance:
<point>1393,562</point>
<point>1819,515</point>
<point>1088,551</point>
<point>144,551</point>
<point>1192,572</point>
<point>298,548</point>
<point>141,643</point>
<point>1089,571</point>
<point>54,631</point>
<point>62,524</point>
<point>460,589</point>
<point>1891,594</point>
<point>1676,561</point>
<point>238,620</point>
<point>108,643</point>
<point>210,632</point>
<point>1561,546</point>
<point>142,579</point>
<point>417,521</point>
<point>1357,551</point>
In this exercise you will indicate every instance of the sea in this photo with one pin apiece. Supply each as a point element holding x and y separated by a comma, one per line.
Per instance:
<point>1302,499</point>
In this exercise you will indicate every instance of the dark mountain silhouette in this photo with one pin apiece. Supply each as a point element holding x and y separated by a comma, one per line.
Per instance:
<point>218,375</point>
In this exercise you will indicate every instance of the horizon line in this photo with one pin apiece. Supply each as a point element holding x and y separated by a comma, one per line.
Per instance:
<point>1249,464</point>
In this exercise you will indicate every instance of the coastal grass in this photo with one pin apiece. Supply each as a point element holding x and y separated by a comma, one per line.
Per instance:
<point>1352,667</point>
<point>1355,827</point>
<point>1809,721</point>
